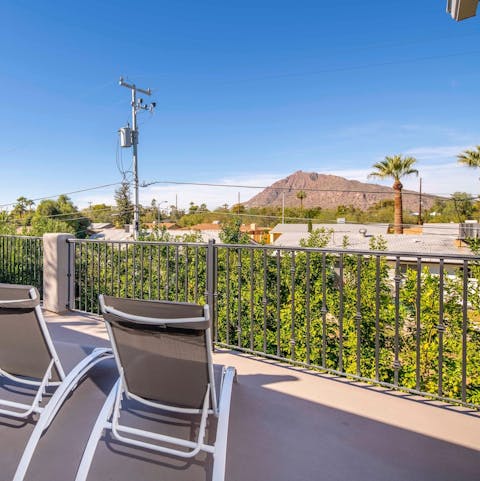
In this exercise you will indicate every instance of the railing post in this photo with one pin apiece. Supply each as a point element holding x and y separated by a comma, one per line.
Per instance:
<point>211,251</point>
<point>57,272</point>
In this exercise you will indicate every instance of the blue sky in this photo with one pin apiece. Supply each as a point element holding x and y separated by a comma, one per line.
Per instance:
<point>247,92</point>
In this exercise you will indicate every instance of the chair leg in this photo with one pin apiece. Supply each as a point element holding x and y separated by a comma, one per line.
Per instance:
<point>96,434</point>
<point>220,455</point>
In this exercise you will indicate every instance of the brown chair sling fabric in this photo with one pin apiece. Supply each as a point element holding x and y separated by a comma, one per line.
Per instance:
<point>166,363</point>
<point>29,359</point>
<point>163,353</point>
<point>23,348</point>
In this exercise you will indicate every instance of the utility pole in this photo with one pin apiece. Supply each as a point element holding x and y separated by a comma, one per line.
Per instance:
<point>130,139</point>
<point>420,221</point>
<point>283,207</point>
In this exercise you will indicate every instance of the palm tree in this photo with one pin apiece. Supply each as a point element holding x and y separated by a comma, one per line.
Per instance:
<point>301,194</point>
<point>470,158</point>
<point>395,167</point>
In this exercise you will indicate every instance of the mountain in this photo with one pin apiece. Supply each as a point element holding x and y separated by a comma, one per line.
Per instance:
<point>330,191</point>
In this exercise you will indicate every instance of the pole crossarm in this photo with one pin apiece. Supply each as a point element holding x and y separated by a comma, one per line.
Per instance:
<point>122,83</point>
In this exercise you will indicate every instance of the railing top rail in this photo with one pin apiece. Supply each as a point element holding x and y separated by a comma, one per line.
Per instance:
<point>390,254</point>
<point>104,241</point>
<point>335,251</point>
<point>21,236</point>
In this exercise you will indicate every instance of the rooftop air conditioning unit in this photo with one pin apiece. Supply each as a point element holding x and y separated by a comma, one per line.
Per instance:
<point>462,9</point>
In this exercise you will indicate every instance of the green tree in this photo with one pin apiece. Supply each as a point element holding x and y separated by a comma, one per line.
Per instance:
<point>44,225</point>
<point>470,158</point>
<point>231,232</point>
<point>99,213</point>
<point>124,205</point>
<point>317,238</point>
<point>301,195</point>
<point>193,208</point>
<point>20,208</point>
<point>59,215</point>
<point>6,227</point>
<point>395,167</point>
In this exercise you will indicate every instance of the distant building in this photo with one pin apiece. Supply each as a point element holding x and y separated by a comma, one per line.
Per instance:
<point>438,239</point>
<point>160,225</point>
<point>106,231</point>
<point>260,235</point>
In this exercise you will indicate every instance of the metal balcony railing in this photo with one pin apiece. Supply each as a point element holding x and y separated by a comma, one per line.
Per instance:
<point>21,260</point>
<point>402,320</point>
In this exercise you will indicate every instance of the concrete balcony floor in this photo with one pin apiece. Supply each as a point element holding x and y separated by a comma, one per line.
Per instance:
<point>286,424</point>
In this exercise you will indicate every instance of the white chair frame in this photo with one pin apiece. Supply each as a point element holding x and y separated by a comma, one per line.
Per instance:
<point>64,387</point>
<point>110,413</point>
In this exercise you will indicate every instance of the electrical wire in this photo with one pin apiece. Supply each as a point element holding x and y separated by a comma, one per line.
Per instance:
<point>350,68</point>
<point>87,189</point>
<point>297,189</point>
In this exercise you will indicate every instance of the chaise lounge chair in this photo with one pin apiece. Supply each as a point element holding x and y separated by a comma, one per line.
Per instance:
<point>28,358</point>
<point>163,353</point>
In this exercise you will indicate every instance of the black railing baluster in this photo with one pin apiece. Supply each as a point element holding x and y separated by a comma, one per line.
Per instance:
<point>78,269</point>
<point>195,298</point>
<point>167,273</point>
<point>358,314</point>
<point>186,273</point>
<point>227,296</point>
<point>278,305</point>
<point>134,271</point>
<point>464,330</point>
<point>142,265</point>
<point>127,248</point>
<point>150,275</point>
<point>440,327</point>
<point>418,330</point>
<point>239,298</point>
<point>292,312</point>
<point>324,310</point>
<point>307,307</point>
<point>265,300</point>
<point>176,273</point>
<point>377,318</point>
<point>396,362</point>
<point>340,313</point>
<point>252,287</point>
<point>158,271</point>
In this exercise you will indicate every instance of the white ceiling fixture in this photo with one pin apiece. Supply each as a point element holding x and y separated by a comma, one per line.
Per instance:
<point>462,9</point>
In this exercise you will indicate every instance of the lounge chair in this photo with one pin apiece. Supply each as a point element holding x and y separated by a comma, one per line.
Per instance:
<point>163,353</point>
<point>28,358</point>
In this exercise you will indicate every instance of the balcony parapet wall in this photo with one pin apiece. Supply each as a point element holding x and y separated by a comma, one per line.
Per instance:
<point>57,266</point>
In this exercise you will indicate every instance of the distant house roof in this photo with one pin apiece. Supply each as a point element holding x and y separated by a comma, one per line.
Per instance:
<point>168,225</point>
<point>206,235</point>
<point>111,234</point>
<point>205,226</point>
<point>100,225</point>
<point>161,225</point>
<point>282,228</point>
<point>345,229</point>
<point>253,229</point>
<point>435,239</point>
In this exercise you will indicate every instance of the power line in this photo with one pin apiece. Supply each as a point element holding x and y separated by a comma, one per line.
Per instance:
<point>66,193</point>
<point>292,189</point>
<point>354,67</point>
